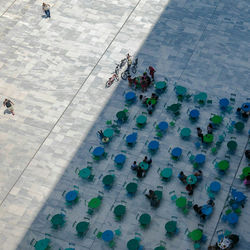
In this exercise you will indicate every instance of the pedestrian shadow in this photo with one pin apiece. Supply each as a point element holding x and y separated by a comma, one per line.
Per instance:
<point>44,16</point>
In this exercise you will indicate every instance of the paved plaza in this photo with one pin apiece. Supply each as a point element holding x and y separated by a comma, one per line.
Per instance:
<point>55,70</point>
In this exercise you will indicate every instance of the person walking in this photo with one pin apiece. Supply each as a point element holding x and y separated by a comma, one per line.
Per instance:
<point>46,9</point>
<point>9,105</point>
<point>200,134</point>
<point>152,72</point>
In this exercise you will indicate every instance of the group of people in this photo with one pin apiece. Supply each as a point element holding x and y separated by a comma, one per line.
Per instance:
<point>198,209</point>
<point>149,102</point>
<point>140,172</point>
<point>226,243</point>
<point>209,131</point>
<point>190,187</point>
<point>243,114</point>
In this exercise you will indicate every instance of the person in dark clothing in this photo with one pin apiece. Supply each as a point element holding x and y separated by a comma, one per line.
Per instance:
<point>190,188</point>
<point>210,128</point>
<point>9,105</point>
<point>197,209</point>
<point>147,161</point>
<point>134,166</point>
<point>140,172</point>
<point>182,177</point>
<point>200,134</point>
<point>150,195</point>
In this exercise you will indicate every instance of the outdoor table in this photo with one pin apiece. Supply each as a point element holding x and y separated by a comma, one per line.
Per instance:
<point>152,100</point>
<point>42,244</point>
<point>224,102</point>
<point>170,226</point>
<point>166,173</point>
<point>238,196</point>
<point>131,138</point>
<point>145,219</point>
<point>232,218</point>
<point>131,187</point>
<point>94,203</point>
<point>84,173</point>
<point>201,97</point>
<point>216,119</point>
<point>57,219</point>
<point>181,202</point>
<point>194,114</point>
<point>108,180</point>
<point>141,119</point>
<point>144,165</point>
<point>153,145</point>
<point>163,126</point>
<point>239,126</point>
<point>215,186</point>
<point>191,179</point>
<point>160,248</point>
<point>223,165</point>
<point>208,138</point>
<point>71,196</point>
<point>176,152</point>
<point>119,210</point>
<point>108,132</point>
<point>82,227</point>
<point>130,96</point>
<point>158,194</point>
<point>175,107</point>
<point>180,90</point>
<point>107,235</point>
<point>120,159</point>
<point>195,235</point>
<point>185,132</point>
<point>199,158</point>
<point>121,115</point>
<point>207,209</point>
<point>232,145</point>
<point>160,85</point>
<point>246,171</point>
<point>246,106</point>
<point>133,244</point>
<point>98,151</point>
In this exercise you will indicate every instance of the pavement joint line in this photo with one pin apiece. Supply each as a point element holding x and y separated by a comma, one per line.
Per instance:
<point>74,96</point>
<point>8,8</point>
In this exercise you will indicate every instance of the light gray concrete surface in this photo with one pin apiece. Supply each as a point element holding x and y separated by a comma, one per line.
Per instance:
<point>55,72</point>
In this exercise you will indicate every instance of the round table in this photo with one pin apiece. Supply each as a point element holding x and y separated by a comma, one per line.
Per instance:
<point>108,132</point>
<point>185,132</point>
<point>120,159</point>
<point>196,235</point>
<point>94,203</point>
<point>130,96</point>
<point>160,248</point>
<point>57,219</point>
<point>98,151</point>
<point>239,196</point>
<point>145,219</point>
<point>181,202</point>
<point>131,187</point>
<point>175,107</point>
<point>152,100</point>
<point>144,165</point>
<point>208,138</point>
<point>170,226</point>
<point>239,126</point>
<point>199,158</point>
<point>82,227</point>
<point>246,106</point>
<point>42,244</point>
<point>108,180</point>
<point>246,171</point>
<point>180,90</point>
<point>207,209</point>
<point>163,126</point>
<point>215,186</point>
<point>141,119</point>
<point>176,152</point>
<point>119,210</point>
<point>166,173</point>
<point>84,173</point>
<point>121,115</point>
<point>131,138</point>
<point>191,179</point>
<point>153,145</point>
<point>133,244</point>
<point>223,165</point>
<point>224,102</point>
<point>232,145</point>
<point>160,85</point>
<point>71,196</point>
<point>194,114</point>
<point>216,119</point>
<point>107,235</point>
<point>232,218</point>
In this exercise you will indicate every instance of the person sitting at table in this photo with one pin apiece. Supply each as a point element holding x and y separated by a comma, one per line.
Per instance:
<point>147,161</point>
<point>197,209</point>
<point>100,133</point>
<point>210,128</point>
<point>200,134</point>
<point>247,154</point>
<point>134,166</point>
<point>247,180</point>
<point>182,177</point>
<point>154,96</point>
<point>226,243</point>
<point>210,202</point>
<point>150,195</point>
<point>143,99</point>
<point>140,172</point>
<point>150,108</point>
<point>131,81</point>
<point>154,201</point>
<point>198,175</point>
<point>190,188</point>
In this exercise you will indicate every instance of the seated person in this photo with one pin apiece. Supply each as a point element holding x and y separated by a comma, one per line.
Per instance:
<point>103,138</point>
<point>247,180</point>
<point>150,107</point>
<point>150,195</point>
<point>197,209</point>
<point>143,99</point>
<point>147,161</point>
<point>154,96</point>
<point>154,201</point>
<point>211,203</point>
<point>100,133</point>
<point>198,175</point>
<point>190,188</point>
<point>182,177</point>
<point>134,166</point>
<point>140,172</point>
<point>247,154</point>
